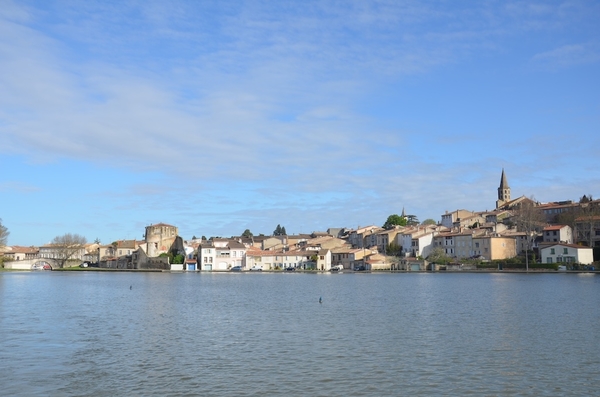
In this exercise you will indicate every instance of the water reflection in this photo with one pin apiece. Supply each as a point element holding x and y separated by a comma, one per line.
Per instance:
<point>90,334</point>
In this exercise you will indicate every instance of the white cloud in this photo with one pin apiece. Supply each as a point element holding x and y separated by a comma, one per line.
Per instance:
<point>272,96</point>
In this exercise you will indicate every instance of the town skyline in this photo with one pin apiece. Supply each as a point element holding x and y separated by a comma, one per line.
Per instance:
<point>220,118</point>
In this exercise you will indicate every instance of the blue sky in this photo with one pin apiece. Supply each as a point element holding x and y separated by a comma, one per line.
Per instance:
<point>221,116</point>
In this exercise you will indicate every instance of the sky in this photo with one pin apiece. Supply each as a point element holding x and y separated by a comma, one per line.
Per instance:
<point>218,117</point>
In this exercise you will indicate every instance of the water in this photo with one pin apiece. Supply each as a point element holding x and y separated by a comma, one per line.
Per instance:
<point>161,334</point>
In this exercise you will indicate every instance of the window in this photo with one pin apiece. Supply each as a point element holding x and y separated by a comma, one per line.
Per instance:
<point>565,250</point>
<point>476,245</point>
<point>552,251</point>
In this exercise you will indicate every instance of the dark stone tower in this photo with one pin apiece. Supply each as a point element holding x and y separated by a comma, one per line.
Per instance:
<point>503,191</point>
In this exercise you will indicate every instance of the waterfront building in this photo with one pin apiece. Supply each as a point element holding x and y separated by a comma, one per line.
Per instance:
<point>567,253</point>
<point>221,254</point>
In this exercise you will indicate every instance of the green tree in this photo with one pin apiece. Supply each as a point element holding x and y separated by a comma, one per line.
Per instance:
<point>393,249</point>
<point>247,233</point>
<point>429,221</point>
<point>283,232</point>
<point>412,220</point>
<point>279,231</point>
<point>394,220</point>
<point>438,255</point>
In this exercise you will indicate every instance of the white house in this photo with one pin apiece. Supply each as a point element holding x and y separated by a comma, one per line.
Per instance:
<point>221,255</point>
<point>558,234</point>
<point>567,253</point>
<point>417,241</point>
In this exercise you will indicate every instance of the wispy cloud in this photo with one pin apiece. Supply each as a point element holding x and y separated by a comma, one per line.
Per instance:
<point>296,106</point>
<point>567,56</point>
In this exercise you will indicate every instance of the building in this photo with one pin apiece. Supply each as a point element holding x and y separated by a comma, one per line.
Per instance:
<point>18,253</point>
<point>450,218</point>
<point>494,247</point>
<point>557,233</point>
<point>221,255</point>
<point>503,191</point>
<point>159,238</point>
<point>349,258</point>
<point>567,253</point>
<point>417,241</point>
<point>364,237</point>
<point>587,230</point>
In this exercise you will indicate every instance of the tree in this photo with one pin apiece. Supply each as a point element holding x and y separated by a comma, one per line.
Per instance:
<point>429,221</point>
<point>438,255</point>
<point>394,220</point>
<point>247,233</point>
<point>412,220</point>
<point>393,249</point>
<point>530,220</point>
<point>66,246</point>
<point>3,234</point>
<point>585,199</point>
<point>279,231</point>
<point>586,221</point>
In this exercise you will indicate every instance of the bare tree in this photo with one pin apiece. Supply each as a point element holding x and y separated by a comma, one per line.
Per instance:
<point>529,219</point>
<point>587,221</point>
<point>3,234</point>
<point>65,247</point>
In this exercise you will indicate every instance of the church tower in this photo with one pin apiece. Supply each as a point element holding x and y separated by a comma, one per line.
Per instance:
<point>503,191</point>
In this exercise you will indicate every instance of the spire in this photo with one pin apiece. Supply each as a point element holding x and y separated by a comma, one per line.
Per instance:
<point>503,191</point>
<point>503,182</point>
<point>403,215</point>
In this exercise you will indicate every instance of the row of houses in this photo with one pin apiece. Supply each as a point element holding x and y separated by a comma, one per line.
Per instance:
<point>365,246</point>
<point>460,234</point>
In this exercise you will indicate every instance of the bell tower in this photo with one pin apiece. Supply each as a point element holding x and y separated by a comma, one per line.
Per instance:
<point>503,191</point>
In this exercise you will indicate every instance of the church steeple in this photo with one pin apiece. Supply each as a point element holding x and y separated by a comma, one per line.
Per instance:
<point>503,191</point>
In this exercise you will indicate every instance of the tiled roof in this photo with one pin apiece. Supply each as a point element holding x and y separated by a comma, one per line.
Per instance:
<point>567,245</point>
<point>554,227</point>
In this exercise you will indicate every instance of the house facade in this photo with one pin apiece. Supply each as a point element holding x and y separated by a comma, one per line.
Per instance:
<point>557,234</point>
<point>494,247</point>
<point>18,253</point>
<point>220,255</point>
<point>567,253</point>
<point>587,230</point>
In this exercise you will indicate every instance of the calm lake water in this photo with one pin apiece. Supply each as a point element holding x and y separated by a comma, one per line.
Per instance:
<point>161,334</point>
